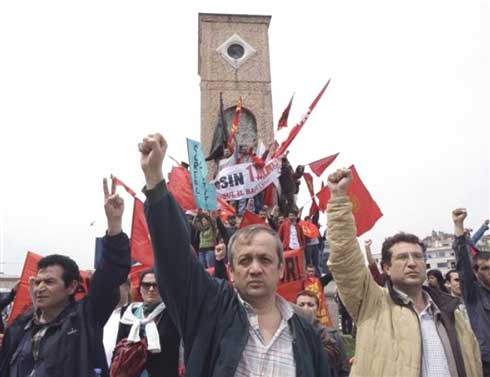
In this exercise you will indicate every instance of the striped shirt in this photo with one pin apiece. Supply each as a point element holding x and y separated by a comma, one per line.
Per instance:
<point>275,359</point>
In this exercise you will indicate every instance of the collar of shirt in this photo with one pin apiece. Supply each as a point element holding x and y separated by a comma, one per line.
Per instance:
<point>430,309</point>
<point>284,308</point>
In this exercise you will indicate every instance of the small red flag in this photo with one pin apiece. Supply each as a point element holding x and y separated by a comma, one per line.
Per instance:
<point>225,208</point>
<point>309,183</point>
<point>309,229</point>
<point>319,166</point>
<point>236,122</point>
<point>179,184</point>
<point>283,121</point>
<point>314,207</point>
<point>250,218</point>
<point>141,249</point>
<point>295,130</point>
<point>22,301</point>
<point>365,210</point>
<point>121,183</point>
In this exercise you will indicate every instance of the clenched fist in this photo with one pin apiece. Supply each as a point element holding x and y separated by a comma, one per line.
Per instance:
<point>339,182</point>
<point>152,149</point>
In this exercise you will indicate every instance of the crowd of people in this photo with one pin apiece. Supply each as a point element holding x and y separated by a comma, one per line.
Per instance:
<point>187,322</point>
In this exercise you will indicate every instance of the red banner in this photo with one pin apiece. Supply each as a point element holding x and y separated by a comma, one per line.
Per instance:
<point>292,281</point>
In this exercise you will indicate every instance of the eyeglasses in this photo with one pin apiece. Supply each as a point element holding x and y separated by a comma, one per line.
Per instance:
<point>148,285</point>
<point>404,257</point>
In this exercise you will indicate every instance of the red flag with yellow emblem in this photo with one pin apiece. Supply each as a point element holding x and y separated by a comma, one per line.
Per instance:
<point>366,211</point>
<point>315,286</point>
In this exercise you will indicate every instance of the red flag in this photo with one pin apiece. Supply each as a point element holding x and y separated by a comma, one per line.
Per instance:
<point>309,183</point>
<point>309,229</point>
<point>134,277</point>
<point>179,184</point>
<point>319,166</point>
<point>314,207</point>
<point>236,122</point>
<point>314,285</point>
<point>141,249</point>
<point>22,301</point>
<point>323,196</point>
<point>294,131</point>
<point>283,121</point>
<point>226,209</point>
<point>121,183</point>
<point>250,218</point>
<point>365,210</point>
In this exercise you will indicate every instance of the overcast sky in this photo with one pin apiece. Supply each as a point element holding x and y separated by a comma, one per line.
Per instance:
<point>82,82</point>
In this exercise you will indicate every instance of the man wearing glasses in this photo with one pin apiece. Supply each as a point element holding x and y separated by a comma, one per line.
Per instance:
<point>404,329</point>
<point>475,286</point>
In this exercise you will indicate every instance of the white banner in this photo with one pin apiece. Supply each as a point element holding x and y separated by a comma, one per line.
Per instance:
<point>244,181</point>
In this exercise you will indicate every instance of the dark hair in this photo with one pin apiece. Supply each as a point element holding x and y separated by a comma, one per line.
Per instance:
<point>397,238</point>
<point>310,266</point>
<point>448,274</point>
<point>70,268</point>
<point>482,255</point>
<point>245,235</point>
<point>440,280</point>
<point>143,274</point>
<point>309,294</point>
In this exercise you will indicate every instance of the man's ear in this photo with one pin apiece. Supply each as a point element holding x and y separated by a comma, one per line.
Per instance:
<point>72,287</point>
<point>281,270</point>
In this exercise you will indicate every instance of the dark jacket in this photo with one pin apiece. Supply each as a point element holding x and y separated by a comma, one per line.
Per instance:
<point>4,302</point>
<point>207,311</point>
<point>476,298</point>
<point>73,344</point>
<point>165,363</point>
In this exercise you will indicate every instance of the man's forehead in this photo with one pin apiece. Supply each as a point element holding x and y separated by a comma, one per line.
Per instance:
<point>406,247</point>
<point>50,271</point>
<point>149,278</point>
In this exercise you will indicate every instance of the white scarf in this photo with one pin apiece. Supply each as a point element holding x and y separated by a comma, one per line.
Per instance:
<point>151,329</point>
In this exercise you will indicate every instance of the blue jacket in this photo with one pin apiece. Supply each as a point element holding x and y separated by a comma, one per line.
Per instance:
<point>73,344</point>
<point>207,312</point>
<point>476,298</point>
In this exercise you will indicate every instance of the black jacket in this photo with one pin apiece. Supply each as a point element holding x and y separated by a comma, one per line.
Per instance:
<point>476,298</point>
<point>165,363</point>
<point>4,302</point>
<point>73,344</point>
<point>207,311</point>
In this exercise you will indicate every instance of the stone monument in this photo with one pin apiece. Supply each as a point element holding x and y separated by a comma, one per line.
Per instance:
<point>234,60</point>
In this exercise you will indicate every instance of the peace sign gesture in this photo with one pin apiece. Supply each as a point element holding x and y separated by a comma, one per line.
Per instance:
<point>114,208</point>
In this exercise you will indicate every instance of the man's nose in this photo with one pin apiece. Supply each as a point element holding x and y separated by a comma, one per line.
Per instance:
<point>255,267</point>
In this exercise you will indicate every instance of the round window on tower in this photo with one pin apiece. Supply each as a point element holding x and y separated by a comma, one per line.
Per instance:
<point>235,51</point>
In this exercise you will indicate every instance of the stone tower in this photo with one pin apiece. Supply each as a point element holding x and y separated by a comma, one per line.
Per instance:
<point>234,59</point>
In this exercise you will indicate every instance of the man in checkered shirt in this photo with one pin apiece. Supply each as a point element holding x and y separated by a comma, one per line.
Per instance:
<point>246,331</point>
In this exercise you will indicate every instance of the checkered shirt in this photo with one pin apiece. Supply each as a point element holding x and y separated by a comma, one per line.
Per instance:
<point>275,359</point>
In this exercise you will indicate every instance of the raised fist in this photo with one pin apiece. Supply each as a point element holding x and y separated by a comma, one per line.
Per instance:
<point>459,214</point>
<point>339,182</point>
<point>153,149</point>
<point>220,251</point>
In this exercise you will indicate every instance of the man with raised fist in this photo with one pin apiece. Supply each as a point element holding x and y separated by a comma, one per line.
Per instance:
<point>404,329</point>
<point>246,331</point>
